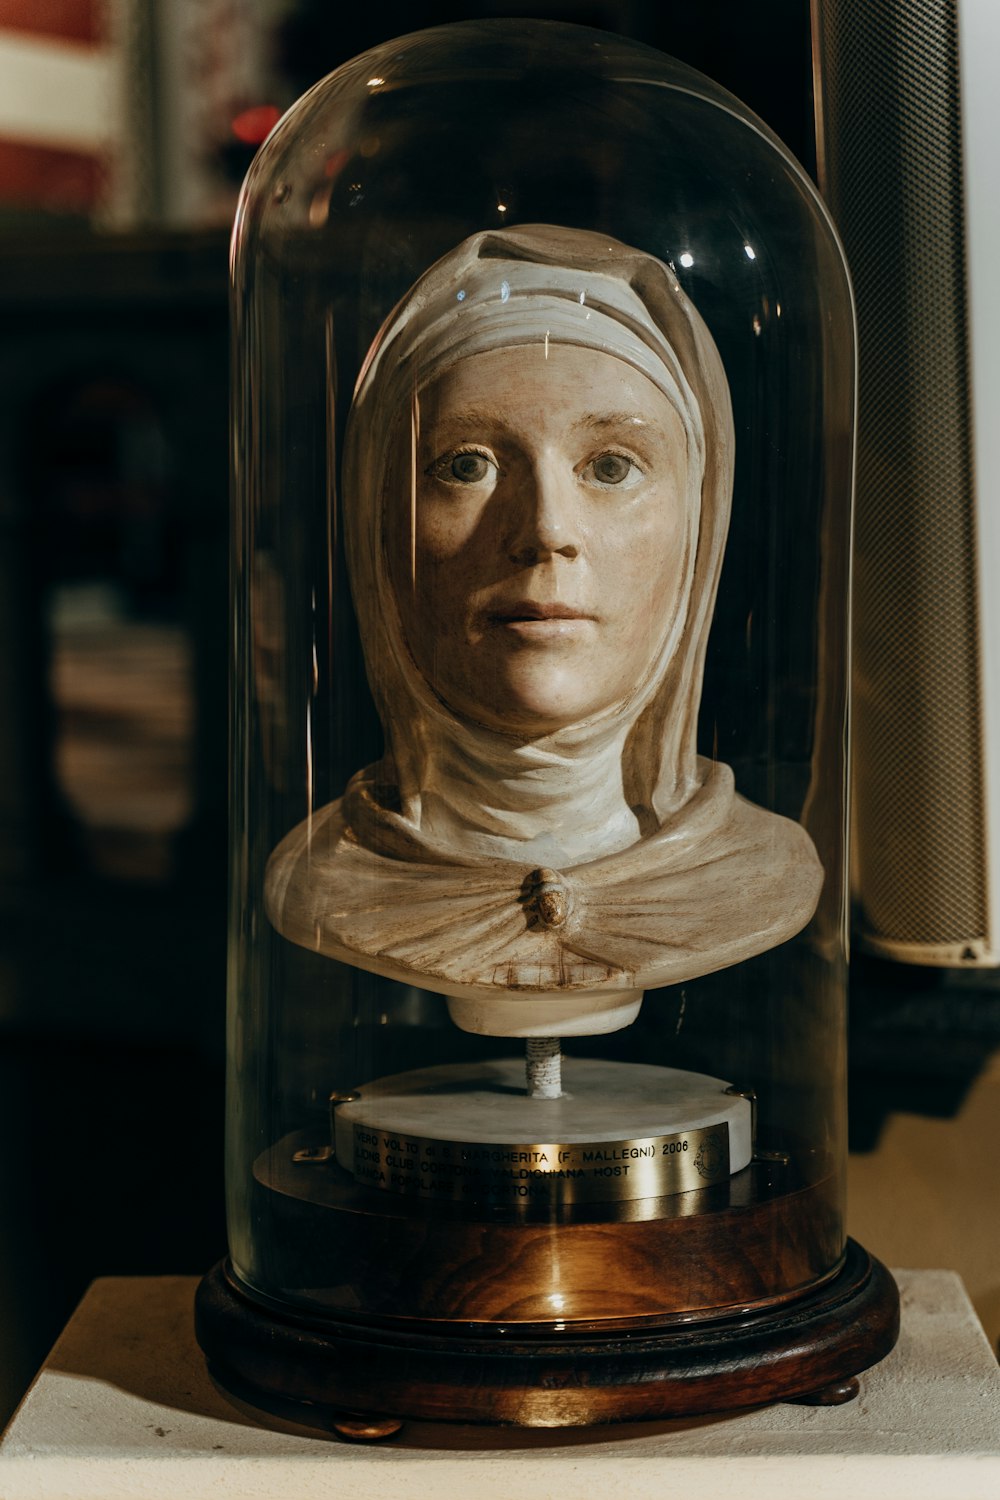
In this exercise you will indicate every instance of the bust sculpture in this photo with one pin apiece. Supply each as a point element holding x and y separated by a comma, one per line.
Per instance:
<point>537,485</point>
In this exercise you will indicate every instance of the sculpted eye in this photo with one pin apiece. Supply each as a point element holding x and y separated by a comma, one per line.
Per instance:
<point>470,468</point>
<point>466,466</point>
<point>614,470</point>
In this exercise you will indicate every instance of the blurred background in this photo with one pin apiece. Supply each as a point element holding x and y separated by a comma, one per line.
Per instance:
<point>126,127</point>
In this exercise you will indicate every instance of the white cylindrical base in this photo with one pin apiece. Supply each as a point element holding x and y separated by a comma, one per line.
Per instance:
<point>471,1132</point>
<point>509,1013</point>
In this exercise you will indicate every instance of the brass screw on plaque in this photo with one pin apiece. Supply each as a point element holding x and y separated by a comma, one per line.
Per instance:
<point>314,1155</point>
<point>750,1094</point>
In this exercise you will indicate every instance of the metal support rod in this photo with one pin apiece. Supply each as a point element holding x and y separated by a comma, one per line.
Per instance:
<point>543,1067</point>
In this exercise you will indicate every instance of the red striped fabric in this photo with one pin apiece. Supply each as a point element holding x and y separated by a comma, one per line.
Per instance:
<point>40,176</point>
<point>47,178</point>
<point>63,20</point>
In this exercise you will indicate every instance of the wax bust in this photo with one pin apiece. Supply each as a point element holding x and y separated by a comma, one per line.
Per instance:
<point>537,483</point>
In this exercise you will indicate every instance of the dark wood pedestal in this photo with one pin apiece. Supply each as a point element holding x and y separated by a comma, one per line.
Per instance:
<point>364,1378</point>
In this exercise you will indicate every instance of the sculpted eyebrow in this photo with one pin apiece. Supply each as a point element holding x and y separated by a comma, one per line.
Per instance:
<point>469,416</point>
<point>611,419</point>
<point>471,420</point>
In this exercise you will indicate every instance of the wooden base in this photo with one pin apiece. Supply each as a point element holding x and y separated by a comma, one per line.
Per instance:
<point>374,1375</point>
<point>764,1236</point>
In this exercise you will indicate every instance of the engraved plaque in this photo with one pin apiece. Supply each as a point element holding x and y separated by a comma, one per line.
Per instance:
<point>591,1171</point>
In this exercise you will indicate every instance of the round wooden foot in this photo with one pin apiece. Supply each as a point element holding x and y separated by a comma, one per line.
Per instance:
<point>831,1395</point>
<point>458,1373</point>
<point>358,1429</point>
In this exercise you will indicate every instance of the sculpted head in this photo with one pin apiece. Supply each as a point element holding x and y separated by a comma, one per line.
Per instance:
<point>537,482</point>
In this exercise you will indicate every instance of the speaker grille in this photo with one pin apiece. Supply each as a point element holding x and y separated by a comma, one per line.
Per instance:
<point>892,170</point>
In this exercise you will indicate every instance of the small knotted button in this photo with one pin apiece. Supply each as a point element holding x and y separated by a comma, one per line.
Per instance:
<point>547,897</point>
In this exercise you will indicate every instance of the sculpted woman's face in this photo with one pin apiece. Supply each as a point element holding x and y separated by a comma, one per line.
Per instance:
<point>538,549</point>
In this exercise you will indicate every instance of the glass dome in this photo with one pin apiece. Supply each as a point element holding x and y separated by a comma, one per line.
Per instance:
<point>543,425</point>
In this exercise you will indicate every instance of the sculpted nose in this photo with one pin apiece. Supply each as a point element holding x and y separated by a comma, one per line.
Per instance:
<point>545,524</point>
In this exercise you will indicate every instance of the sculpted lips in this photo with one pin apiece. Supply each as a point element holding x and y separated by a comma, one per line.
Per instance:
<point>530,619</point>
<point>529,609</point>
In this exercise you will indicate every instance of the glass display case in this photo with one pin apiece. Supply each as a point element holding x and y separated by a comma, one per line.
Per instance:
<point>543,444</point>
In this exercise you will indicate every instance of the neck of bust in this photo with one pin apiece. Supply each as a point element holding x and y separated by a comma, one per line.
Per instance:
<point>558,800</point>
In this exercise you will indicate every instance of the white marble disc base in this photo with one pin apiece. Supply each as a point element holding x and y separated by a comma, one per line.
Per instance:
<point>604,1102</point>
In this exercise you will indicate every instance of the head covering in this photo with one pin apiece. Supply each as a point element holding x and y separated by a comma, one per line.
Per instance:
<point>501,290</point>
